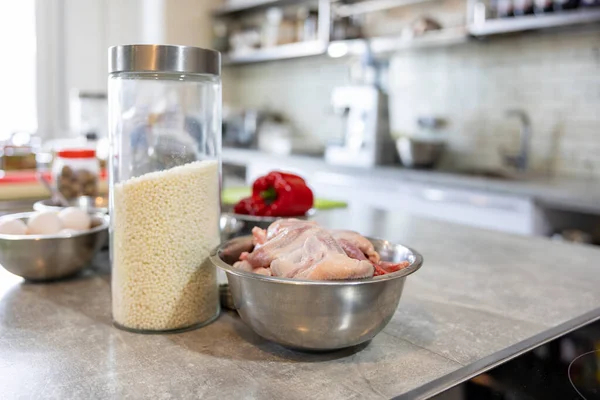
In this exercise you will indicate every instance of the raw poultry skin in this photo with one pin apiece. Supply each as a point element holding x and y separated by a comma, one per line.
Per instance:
<point>357,246</point>
<point>355,239</point>
<point>292,248</point>
<point>262,235</point>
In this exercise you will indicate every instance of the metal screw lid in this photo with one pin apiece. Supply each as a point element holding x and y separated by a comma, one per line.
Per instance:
<point>163,58</point>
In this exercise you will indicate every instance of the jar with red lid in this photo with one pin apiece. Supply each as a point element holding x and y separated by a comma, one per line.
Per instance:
<point>75,172</point>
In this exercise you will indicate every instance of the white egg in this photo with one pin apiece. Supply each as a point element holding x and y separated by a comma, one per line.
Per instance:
<point>44,223</point>
<point>13,227</point>
<point>75,218</point>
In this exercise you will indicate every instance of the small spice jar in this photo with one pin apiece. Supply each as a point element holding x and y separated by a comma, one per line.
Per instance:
<point>75,172</point>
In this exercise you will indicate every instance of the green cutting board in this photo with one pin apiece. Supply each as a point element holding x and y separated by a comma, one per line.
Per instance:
<point>232,195</point>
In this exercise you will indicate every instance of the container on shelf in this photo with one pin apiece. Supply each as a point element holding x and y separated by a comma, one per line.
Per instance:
<point>543,6</point>
<point>504,8</point>
<point>523,7</point>
<point>17,158</point>
<point>560,5</point>
<point>165,158</point>
<point>590,3</point>
<point>75,172</point>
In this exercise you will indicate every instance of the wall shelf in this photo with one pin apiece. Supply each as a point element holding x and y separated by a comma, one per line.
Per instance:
<point>286,51</point>
<point>440,38</point>
<point>392,44</point>
<point>368,6</point>
<point>532,22</point>
<point>251,5</point>
<point>340,48</point>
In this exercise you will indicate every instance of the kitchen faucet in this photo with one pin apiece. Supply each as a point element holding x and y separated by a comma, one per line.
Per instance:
<point>520,161</point>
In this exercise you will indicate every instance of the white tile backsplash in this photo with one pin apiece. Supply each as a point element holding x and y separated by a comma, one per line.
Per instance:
<point>555,77</point>
<point>300,89</point>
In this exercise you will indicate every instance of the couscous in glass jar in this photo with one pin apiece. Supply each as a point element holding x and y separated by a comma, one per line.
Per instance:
<point>165,135</point>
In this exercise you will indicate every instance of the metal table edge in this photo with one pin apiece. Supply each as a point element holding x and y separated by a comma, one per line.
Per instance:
<point>487,363</point>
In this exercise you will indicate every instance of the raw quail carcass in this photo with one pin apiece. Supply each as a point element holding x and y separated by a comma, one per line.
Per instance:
<point>320,258</point>
<point>285,242</point>
<point>292,248</point>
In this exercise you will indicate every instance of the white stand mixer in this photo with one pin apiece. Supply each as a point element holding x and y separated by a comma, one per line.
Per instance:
<point>367,141</point>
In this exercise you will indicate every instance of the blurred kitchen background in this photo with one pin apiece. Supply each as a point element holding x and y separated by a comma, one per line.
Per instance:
<point>481,112</point>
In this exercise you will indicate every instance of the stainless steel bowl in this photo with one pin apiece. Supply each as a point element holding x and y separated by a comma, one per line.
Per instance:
<point>316,315</point>
<point>416,153</point>
<point>43,257</point>
<point>93,205</point>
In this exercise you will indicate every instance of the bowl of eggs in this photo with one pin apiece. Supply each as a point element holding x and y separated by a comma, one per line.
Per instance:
<point>48,245</point>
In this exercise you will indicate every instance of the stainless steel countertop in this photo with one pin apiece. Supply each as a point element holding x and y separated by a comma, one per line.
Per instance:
<point>561,193</point>
<point>478,297</point>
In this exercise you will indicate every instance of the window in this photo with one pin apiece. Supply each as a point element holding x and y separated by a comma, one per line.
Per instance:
<point>18,69</point>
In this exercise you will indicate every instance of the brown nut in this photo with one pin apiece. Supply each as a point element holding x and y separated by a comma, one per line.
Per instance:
<point>85,175</point>
<point>66,171</point>
<point>63,181</point>
<point>90,189</point>
<point>68,192</point>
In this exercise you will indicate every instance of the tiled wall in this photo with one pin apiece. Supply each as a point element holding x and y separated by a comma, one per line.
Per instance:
<point>300,89</point>
<point>554,77</point>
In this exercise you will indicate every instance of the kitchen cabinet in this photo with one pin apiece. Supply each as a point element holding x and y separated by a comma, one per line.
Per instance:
<point>537,207</point>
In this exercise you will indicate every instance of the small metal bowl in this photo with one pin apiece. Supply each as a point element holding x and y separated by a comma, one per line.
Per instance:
<point>415,153</point>
<point>316,315</point>
<point>98,204</point>
<point>45,257</point>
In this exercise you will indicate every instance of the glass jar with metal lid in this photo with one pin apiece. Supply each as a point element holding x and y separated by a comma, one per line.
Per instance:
<point>165,157</point>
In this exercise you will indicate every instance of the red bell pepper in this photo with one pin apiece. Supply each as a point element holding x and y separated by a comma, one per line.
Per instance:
<point>277,194</point>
